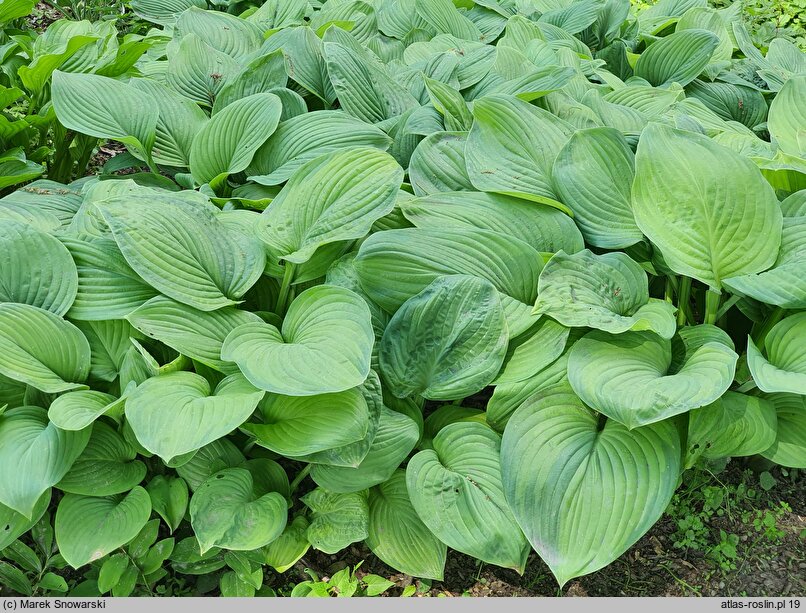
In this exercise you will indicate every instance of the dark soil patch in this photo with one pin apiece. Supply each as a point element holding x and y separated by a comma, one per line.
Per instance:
<point>652,567</point>
<point>42,16</point>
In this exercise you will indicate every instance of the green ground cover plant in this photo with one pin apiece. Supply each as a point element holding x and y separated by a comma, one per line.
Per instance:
<point>487,276</point>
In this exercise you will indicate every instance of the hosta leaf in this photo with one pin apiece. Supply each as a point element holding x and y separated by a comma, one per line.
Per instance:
<point>35,269</point>
<point>395,265</point>
<point>109,341</point>
<point>784,367</point>
<point>108,288</point>
<point>784,284</point>
<point>447,342</point>
<point>735,425</point>
<point>450,104</point>
<point>335,197</point>
<point>324,346</point>
<point>593,175</point>
<point>457,492</point>
<point>512,146</point>
<point>394,439</point>
<point>789,448</point>
<point>677,58</point>
<point>199,72</point>
<point>105,108</point>
<point>545,228</point>
<point>787,120</point>
<point>34,455</point>
<point>226,33</point>
<point>443,16</point>
<point>169,498</point>
<point>180,120</point>
<point>305,62</point>
<point>225,145</point>
<point>398,536</point>
<point>106,466</point>
<point>629,379</point>
<point>182,250</point>
<point>303,138</point>
<point>208,460</point>
<point>163,12</point>
<point>177,413</point>
<point>363,87</point>
<point>609,292</point>
<point>301,425</point>
<point>196,334</point>
<point>14,524</point>
<point>77,410</point>
<point>438,164</point>
<point>582,493</point>
<point>533,351</point>
<point>89,527</point>
<point>227,511</point>
<point>41,349</point>
<point>708,210</point>
<point>337,520</point>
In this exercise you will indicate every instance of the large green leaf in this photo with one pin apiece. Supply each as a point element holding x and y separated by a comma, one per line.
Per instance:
<point>89,527</point>
<point>199,72</point>
<point>784,368</point>
<point>34,455</point>
<point>735,425</point>
<point>398,536</point>
<point>225,145</point>
<point>457,491</point>
<point>226,33</point>
<point>443,16</point>
<point>41,349</point>
<point>438,164</point>
<point>532,351</point>
<point>584,493</point>
<point>163,12</point>
<point>35,269</point>
<point>108,288</point>
<point>324,346</point>
<point>787,120</point>
<point>337,520</point>
<point>709,210</point>
<point>180,120</point>
<point>196,334</point>
<point>335,197</point>
<point>181,249</point>
<point>789,448</point>
<point>106,466</point>
<point>305,137</point>
<point>784,284</point>
<point>677,58</point>
<point>298,426</point>
<point>229,511</point>
<point>447,342</point>
<point>77,410</point>
<point>593,175</point>
<point>208,460</point>
<point>176,413</point>
<point>110,341</point>
<point>284,551</point>
<point>106,108</point>
<point>630,378</point>
<point>545,228</point>
<point>395,265</point>
<point>512,146</point>
<point>608,292</point>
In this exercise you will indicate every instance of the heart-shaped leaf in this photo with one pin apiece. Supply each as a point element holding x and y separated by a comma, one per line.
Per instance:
<point>41,349</point>
<point>677,58</point>
<point>631,378</point>
<point>784,368</point>
<point>337,520</point>
<point>709,211</point>
<point>398,536</point>
<point>582,493</point>
<point>156,233</point>
<point>447,342</point>
<point>227,511</point>
<point>324,346</point>
<point>77,410</point>
<point>608,292</point>
<point>106,466</point>
<point>36,269</point>
<point>334,197</point>
<point>176,413</point>
<point>169,498</point>
<point>789,448</point>
<point>89,527</point>
<point>456,490</point>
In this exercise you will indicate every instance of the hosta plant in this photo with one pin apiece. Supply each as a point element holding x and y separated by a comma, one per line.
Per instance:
<point>486,278</point>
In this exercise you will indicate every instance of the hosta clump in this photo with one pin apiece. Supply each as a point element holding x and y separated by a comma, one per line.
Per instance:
<point>484,278</point>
